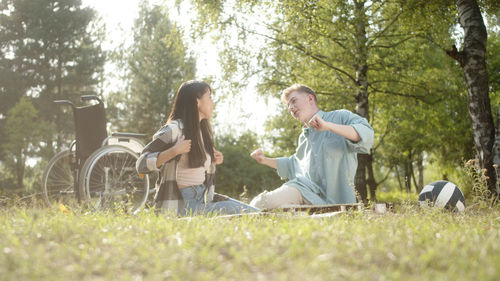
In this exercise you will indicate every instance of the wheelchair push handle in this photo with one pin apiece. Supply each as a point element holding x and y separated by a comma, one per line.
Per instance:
<point>90,97</point>
<point>64,102</point>
<point>83,98</point>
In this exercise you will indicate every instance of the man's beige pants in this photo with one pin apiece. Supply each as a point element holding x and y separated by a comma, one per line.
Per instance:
<point>284,195</point>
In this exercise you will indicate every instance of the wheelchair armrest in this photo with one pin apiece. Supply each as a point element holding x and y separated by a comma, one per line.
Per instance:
<point>129,135</point>
<point>130,140</point>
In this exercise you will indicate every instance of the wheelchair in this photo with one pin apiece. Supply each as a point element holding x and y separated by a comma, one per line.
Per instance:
<point>97,169</point>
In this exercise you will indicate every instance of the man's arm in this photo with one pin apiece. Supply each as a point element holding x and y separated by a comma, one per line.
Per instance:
<point>346,131</point>
<point>258,155</point>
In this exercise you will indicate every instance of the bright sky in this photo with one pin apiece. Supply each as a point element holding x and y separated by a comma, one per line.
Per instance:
<point>246,111</point>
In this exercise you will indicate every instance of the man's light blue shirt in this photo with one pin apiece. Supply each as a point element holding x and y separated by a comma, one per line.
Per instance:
<point>324,164</point>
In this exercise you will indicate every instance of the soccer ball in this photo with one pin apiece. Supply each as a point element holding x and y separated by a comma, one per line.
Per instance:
<point>442,194</point>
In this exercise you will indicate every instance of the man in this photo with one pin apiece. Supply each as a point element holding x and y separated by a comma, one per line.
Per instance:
<point>323,167</point>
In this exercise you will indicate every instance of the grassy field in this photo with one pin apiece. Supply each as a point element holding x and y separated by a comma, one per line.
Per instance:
<point>409,244</point>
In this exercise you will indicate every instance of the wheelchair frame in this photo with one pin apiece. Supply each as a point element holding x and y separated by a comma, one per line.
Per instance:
<point>97,169</point>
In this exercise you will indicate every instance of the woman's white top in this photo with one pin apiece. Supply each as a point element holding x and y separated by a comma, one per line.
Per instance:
<point>191,176</point>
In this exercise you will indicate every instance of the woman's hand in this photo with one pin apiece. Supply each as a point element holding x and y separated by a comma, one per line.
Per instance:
<point>219,157</point>
<point>182,145</point>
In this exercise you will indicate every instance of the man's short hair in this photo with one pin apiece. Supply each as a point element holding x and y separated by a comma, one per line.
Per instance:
<point>298,88</point>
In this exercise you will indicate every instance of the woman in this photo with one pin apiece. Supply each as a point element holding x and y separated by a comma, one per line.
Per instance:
<point>183,151</point>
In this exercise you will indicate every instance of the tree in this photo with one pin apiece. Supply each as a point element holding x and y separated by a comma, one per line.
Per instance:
<point>345,50</point>
<point>419,99</point>
<point>157,63</point>
<point>472,59</point>
<point>50,49</point>
<point>23,130</point>
<point>493,63</point>
<point>240,174</point>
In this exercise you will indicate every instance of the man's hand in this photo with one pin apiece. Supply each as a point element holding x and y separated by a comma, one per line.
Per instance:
<point>219,157</point>
<point>182,145</point>
<point>318,123</point>
<point>258,155</point>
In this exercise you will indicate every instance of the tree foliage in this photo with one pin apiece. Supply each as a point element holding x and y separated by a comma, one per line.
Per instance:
<point>157,63</point>
<point>414,96</point>
<point>240,175</point>
<point>49,49</point>
<point>23,130</point>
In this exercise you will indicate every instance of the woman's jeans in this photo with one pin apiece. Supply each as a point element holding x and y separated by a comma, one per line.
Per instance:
<point>194,198</point>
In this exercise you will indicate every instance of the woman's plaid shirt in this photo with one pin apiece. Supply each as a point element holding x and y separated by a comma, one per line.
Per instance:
<point>168,196</point>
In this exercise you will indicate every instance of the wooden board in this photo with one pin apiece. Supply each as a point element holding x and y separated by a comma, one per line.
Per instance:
<point>315,209</point>
<point>312,211</point>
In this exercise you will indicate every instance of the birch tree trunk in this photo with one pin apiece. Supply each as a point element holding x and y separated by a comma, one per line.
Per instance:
<point>371,179</point>
<point>472,60</point>
<point>408,176</point>
<point>362,108</point>
<point>496,149</point>
<point>20,163</point>
<point>399,178</point>
<point>420,172</point>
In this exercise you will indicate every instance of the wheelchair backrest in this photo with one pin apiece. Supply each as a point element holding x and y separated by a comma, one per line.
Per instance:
<point>90,129</point>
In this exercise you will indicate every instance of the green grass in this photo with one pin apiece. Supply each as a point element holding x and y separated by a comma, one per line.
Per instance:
<point>396,196</point>
<point>409,244</point>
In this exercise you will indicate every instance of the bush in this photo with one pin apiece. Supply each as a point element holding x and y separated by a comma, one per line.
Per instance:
<point>240,176</point>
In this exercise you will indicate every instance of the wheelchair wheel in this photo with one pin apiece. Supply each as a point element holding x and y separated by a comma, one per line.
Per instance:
<point>58,180</point>
<point>109,180</point>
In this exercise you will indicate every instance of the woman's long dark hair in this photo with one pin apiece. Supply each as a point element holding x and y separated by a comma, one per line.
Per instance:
<point>186,109</point>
